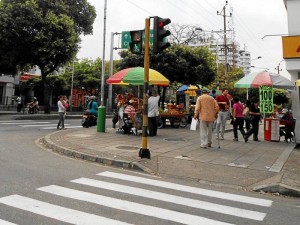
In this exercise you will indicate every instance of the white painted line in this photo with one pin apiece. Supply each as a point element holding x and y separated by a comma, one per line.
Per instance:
<point>57,212</point>
<point>173,199</point>
<point>277,166</point>
<point>38,125</point>
<point>184,188</point>
<point>130,206</point>
<point>51,128</point>
<point>20,123</point>
<point>13,121</point>
<point>3,222</point>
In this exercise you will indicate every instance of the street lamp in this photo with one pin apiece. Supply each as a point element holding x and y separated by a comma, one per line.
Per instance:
<point>277,68</point>
<point>72,84</point>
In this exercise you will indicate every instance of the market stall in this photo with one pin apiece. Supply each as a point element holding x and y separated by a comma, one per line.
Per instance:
<point>175,115</point>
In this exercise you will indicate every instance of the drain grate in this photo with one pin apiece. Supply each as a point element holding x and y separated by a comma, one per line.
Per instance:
<point>174,139</point>
<point>127,147</point>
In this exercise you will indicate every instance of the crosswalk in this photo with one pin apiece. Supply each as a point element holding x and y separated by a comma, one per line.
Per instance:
<point>166,204</point>
<point>44,125</point>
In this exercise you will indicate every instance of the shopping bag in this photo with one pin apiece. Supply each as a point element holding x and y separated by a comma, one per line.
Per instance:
<point>194,124</point>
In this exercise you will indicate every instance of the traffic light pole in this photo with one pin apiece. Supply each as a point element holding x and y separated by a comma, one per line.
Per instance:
<point>144,151</point>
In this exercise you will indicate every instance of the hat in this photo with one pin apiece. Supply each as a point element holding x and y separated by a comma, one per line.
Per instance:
<point>131,101</point>
<point>204,90</point>
<point>284,110</point>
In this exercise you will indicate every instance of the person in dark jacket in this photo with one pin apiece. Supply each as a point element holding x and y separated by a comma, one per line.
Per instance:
<point>256,115</point>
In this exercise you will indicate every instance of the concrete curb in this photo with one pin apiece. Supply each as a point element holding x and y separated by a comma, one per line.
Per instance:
<point>278,188</point>
<point>92,158</point>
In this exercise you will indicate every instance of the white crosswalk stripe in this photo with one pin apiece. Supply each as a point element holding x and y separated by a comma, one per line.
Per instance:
<point>3,222</point>
<point>179,214</point>
<point>44,125</point>
<point>56,212</point>
<point>199,191</point>
<point>174,199</point>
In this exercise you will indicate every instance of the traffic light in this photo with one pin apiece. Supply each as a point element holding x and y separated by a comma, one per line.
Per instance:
<point>136,44</point>
<point>159,34</point>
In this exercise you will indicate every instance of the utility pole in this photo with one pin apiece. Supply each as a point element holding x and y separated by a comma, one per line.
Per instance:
<point>112,48</point>
<point>223,13</point>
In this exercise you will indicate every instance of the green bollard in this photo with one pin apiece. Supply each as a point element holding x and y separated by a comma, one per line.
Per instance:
<point>101,119</point>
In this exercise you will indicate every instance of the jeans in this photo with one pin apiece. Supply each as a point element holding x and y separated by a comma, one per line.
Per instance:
<point>221,122</point>
<point>61,120</point>
<point>238,123</point>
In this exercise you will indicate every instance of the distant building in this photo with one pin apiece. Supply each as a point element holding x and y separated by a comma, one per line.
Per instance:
<point>236,57</point>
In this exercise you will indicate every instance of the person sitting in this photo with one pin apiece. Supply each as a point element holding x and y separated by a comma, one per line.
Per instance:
<point>130,113</point>
<point>289,125</point>
<point>33,106</point>
<point>92,107</point>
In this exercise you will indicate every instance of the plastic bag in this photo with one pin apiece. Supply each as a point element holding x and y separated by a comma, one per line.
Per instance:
<point>194,124</point>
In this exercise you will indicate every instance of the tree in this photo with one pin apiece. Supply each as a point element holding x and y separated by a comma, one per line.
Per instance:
<point>43,33</point>
<point>185,34</point>
<point>182,64</point>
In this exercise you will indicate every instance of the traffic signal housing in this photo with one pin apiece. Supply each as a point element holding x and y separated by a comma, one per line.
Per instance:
<point>136,44</point>
<point>159,34</point>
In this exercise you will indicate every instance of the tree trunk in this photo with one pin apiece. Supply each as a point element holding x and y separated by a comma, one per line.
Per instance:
<point>47,93</point>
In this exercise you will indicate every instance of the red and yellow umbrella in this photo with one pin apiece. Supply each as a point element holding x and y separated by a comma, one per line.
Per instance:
<point>135,76</point>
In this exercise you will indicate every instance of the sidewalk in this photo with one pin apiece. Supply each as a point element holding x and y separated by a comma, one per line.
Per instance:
<point>260,166</point>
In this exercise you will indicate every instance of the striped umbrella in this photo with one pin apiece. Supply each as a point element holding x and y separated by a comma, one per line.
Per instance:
<point>256,79</point>
<point>135,76</point>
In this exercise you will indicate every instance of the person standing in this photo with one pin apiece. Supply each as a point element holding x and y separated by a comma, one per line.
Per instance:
<point>255,113</point>
<point>61,113</point>
<point>238,118</point>
<point>92,106</point>
<point>246,113</point>
<point>223,103</point>
<point>206,110</point>
<point>20,104</point>
<point>153,113</point>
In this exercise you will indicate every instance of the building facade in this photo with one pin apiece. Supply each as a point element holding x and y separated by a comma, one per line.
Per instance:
<point>293,64</point>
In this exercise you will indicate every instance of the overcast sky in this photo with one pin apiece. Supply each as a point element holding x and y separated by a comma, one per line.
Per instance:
<point>252,20</point>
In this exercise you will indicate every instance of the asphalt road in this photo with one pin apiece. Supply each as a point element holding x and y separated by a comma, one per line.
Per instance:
<point>40,187</point>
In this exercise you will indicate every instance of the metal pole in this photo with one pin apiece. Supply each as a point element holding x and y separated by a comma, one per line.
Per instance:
<point>101,110</point>
<point>144,151</point>
<point>103,56</point>
<point>225,38</point>
<point>109,103</point>
<point>72,84</point>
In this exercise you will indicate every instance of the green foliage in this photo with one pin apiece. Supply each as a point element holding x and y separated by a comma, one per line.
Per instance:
<point>43,33</point>
<point>178,63</point>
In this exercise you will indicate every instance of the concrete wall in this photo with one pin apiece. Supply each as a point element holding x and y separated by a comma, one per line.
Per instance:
<point>293,65</point>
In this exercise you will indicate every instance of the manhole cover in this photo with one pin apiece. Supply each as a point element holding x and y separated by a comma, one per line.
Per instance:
<point>174,139</point>
<point>126,147</point>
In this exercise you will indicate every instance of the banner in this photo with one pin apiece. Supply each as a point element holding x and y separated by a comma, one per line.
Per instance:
<point>266,96</point>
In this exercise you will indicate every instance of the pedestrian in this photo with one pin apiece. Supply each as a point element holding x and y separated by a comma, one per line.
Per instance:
<point>206,110</point>
<point>246,114</point>
<point>61,112</point>
<point>255,119</point>
<point>65,104</point>
<point>213,93</point>
<point>92,106</point>
<point>130,114</point>
<point>20,104</point>
<point>153,113</point>
<point>238,118</point>
<point>223,114</point>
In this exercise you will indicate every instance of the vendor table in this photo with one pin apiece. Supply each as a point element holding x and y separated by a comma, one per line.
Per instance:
<point>176,120</point>
<point>271,129</point>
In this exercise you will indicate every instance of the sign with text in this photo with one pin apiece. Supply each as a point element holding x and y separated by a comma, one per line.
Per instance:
<point>291,47</point>
<point>266,96</point>
<point>126,38</point>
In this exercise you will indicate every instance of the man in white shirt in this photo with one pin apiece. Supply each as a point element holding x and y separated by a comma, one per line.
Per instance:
<point>61,112</point>
<point>153,113</point>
